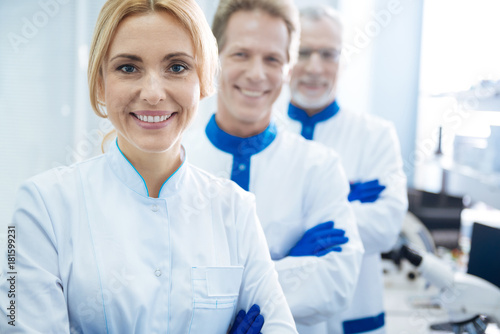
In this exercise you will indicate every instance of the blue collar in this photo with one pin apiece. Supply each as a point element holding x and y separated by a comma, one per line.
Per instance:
<point>238,146</point>
<point>127,173</point>
<point>309,122</point>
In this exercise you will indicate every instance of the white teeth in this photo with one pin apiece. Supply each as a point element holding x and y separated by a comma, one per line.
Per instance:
<point>251,93</point>
<point>153,119</point>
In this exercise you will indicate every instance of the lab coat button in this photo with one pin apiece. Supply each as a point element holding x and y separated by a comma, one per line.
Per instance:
<point>158,272</point>
<point>242,167</point>
<point>154,208</point>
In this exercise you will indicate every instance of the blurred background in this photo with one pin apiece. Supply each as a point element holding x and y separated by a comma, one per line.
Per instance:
<point>430,67</point>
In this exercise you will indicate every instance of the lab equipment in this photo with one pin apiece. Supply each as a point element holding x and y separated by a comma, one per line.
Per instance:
<point>440,213</point>
<point>483,248</point>
<point>494,147</point>
<point>320,240</point>
<point>248,323</point>
<point>365,192</point>
<point>413,233</point>
<point>467,298</point>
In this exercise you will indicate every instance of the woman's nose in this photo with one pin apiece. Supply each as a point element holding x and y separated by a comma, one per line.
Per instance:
<point>152,90</point>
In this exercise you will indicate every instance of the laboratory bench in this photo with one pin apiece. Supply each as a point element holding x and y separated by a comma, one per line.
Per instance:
<point>409,307</point>
<point>480,186</point>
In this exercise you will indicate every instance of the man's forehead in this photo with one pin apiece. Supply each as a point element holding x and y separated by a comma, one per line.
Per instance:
<point>320,33</point>
<point>324,43</point>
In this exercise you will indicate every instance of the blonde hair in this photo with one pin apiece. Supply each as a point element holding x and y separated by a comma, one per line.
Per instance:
<point>283,9</point>
<point>189,15</point>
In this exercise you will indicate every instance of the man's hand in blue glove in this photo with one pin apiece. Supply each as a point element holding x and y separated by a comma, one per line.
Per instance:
<point>248,323</point>
<point>365,192</point>
<point>320,240</point>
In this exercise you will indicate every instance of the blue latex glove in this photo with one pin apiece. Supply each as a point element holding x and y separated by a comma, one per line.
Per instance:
<point>365,192</point>
<point>320,240</point>
<point>248,323</point>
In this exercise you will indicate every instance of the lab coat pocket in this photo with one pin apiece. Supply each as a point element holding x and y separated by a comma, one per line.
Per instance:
<point>215,294</point>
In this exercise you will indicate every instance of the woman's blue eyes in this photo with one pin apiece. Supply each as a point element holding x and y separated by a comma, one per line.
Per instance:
<point>177,68</point>
<point>127,68</point>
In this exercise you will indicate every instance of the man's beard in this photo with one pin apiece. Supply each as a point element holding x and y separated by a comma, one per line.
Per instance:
<point>306,102</point>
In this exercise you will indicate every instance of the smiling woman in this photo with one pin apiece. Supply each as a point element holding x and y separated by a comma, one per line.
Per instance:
<point>149,73</point>
<point>137,240</point>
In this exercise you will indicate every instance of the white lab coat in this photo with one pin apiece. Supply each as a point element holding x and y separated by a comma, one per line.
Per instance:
<point>297,184</point>
<point>369,149</point>
<point>95,254</point>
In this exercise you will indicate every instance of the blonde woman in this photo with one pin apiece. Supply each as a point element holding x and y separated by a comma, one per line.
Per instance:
<point>137,240</point>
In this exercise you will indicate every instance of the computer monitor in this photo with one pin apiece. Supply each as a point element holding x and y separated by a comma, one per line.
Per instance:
<point>484,257</point>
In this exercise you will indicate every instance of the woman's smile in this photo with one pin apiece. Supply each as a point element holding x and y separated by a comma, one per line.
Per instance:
<point>153,120</point>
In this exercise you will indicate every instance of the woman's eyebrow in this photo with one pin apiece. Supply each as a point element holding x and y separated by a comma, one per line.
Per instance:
<point>137,58</point>
<point>177,54</point>
<point>128,56</point>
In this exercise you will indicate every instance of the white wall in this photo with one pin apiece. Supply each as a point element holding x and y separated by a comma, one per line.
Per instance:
<point>394,75</point>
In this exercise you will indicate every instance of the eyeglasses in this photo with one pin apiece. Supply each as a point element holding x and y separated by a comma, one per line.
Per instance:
<point>326,55</point>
